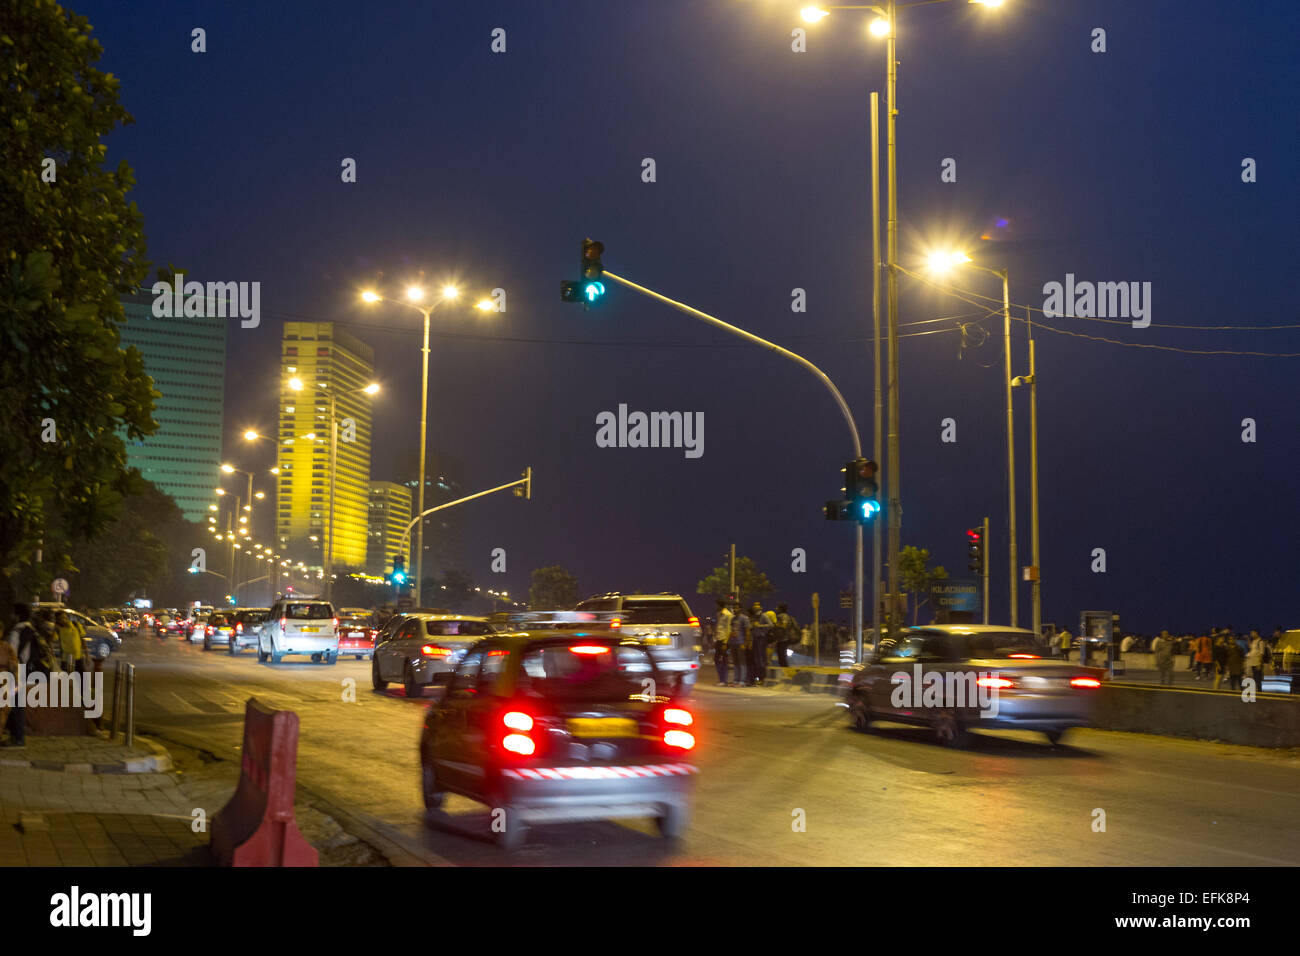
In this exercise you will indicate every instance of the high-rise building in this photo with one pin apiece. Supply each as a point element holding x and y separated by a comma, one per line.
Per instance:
<point>186,358</point>
<point>326,361</point>
<point>390,513</point>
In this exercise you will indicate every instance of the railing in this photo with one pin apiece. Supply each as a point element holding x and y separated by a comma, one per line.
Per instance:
<point>123,701</point>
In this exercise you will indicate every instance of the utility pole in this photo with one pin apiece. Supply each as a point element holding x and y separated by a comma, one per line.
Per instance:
<point>891,113</point>
<point>984,569</point>
<point>878,420</point>
<point>732,588</point>
<point>1033,478</point>
<point>1011,446</point>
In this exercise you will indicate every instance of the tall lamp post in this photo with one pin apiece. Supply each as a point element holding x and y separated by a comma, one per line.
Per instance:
<point>414,295</point>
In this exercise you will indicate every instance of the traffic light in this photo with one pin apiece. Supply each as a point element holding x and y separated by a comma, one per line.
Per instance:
<point>590,289</point>
<point>398,577</point>
<point>975,550</point>
<point>861,502</point>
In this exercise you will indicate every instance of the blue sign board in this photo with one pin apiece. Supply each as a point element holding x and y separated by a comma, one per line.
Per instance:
<point>955,594</point>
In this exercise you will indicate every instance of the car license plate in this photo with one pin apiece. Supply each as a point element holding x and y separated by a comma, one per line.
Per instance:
<point>602,727</point>
<point>309,630</point>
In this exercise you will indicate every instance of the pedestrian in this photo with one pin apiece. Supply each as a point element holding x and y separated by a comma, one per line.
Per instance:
<point>26,649</point>
<point>738,647</point>
<point>1255,658</point>
<point>721,635</point>
<point>1126,645</point>
<point>1220,655</point>
<point>1163,647</point>
<point>1065,643</point>
<point>1234,663</point>
<point>1204,656</point>
<point>787,632</point>
<point>764,624</point>
<point>70,644</point>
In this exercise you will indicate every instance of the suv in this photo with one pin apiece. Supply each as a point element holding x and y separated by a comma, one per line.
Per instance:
<point>556,726</point>
<point>663,623</point>
<point>299,626</point>
<point>248,622</point>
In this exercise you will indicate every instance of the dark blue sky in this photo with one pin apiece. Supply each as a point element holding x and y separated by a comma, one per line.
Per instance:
<point>491,168</point>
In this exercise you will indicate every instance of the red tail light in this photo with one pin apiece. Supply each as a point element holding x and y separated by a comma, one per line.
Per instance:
<point>680,739</point>
<point>517,740</point>
<point>283,621</point>
<point>674,736</point>
<point>616,623</point>
<point>518,720</point>
<point>208,629</point>
<point>1001,683</point>
<point>1024,657</point>
<point>675,715</point>
<point>239,628</point>
<point>519,744</point>
<point>432,650</point>
<point>1085,682</point>
<point>693,621</point>
<point>589,649</point>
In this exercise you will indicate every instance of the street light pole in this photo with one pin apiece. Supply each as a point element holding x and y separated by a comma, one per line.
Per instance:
<point>1011,443</point>
<point>1033,477</point>
<point>893,480</point>
<point>329,524</point>
<point>878,419</point>
<point>424,410</point>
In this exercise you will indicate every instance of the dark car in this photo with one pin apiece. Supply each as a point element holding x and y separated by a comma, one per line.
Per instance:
<point>559,726</point>
<point>956,678</point>
<point>248,623</point>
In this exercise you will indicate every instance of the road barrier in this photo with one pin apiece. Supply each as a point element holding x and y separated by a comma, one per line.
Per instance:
<point>257,828</point>
<point>1271,720</point>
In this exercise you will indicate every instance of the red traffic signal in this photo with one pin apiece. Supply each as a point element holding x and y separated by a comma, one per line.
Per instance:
<point>973,535</point>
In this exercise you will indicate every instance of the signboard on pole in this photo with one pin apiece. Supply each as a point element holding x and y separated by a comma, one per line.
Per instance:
<point>59,586</point>
<point>955,594</point>
<point>846,599</point>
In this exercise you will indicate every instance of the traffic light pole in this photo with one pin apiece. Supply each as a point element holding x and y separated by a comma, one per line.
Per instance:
<point>822,377</point>
<point>984,569</point>
<point>526,482</point>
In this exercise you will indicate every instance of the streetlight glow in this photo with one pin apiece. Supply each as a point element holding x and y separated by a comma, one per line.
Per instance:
<point>415,293</point>
<point>813,14</point>
<point>879,27</point>
<point>371,389</point>
<point>369,296</point>
<point>295,383</point>
<point>450,292</point>
<point>251,435</point>
<point>228,469</point>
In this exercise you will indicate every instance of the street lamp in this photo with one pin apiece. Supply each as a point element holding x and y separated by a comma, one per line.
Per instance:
<point>415,294</point>
<point>942,262</point>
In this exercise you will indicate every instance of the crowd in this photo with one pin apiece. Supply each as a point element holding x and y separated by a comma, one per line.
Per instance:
<point>42,641</point>
<point>745,642</point>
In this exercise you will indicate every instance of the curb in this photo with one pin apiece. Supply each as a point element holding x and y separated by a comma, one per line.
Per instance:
<point>159,761</point>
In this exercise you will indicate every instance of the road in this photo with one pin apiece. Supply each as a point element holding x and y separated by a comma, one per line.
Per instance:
<point>783,781</point>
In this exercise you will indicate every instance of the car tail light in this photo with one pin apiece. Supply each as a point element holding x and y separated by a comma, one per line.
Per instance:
<point>518,720</point>
<point>680,739</point>
<point>283,621</point>
<point>208,629</point>
<point>239,628</point>
<point>432,650</point>
<point>1024,657</point>
<point>693,621</point>
<point>589,649</point>
<point>335,623</point>
<point>1001,683</point>
<point>519,744</point>
<point>517,740</point>
<point>1084,682</point>
<point>616,623</point>
<point>675,715</point>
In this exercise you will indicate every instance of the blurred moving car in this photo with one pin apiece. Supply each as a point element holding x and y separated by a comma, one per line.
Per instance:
<point>1022,689</point>
<point>100,640</point>
<point>424,648</point>
<point>664,623</point>
<point>248,624</point>
<point>557,726</point>
<point>217,629</point>
<point>299,626</point>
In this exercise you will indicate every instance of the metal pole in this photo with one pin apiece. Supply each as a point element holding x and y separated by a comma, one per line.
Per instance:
<point>732,588</point>
<point>130,705</point>
<point>329,537</point>
<point>424,411</point>
<point>817,635</point>
<point>1033,486</point>
<point>984,568</point>
<point>1011,444</point>
<point>893,480</point>
<point>878,419</point>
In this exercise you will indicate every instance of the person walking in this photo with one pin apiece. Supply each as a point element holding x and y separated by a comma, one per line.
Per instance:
<point>69,638</point>
<point>1255,659</point>
<point>738,648</point>
<point>1163,648</point>
<point>764,623</point>
<point>25,645</point>
<point>1234,663</point>
<point>1065,642</point>
<point>1204,656</point>
<point>787,633</point>
<point>1220,655</point>
<point>721,635</point>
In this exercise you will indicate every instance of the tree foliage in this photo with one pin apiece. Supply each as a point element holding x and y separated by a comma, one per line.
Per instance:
<point>749,581</point>
<point>917,577</point>
<point>70,248</point>
<point>552,587</point>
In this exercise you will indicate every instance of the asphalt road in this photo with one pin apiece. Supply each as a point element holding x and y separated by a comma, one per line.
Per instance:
<point>783,781</point>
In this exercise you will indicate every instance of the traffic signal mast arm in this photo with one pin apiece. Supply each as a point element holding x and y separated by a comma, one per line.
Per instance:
<point>526,481</point>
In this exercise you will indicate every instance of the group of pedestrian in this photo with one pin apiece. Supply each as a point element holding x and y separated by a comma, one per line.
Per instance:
<point>744,641</point>
<point>1221,653</point>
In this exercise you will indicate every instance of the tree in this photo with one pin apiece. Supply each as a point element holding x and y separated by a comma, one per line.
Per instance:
<point>553,587</point>
<point>917,578</point>
<point>749,580</point>
<point>72,245</point>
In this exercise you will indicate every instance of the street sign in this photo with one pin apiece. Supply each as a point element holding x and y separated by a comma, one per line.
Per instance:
<point>956,594</point>
<point>59,586</point>
<point>846,599</point>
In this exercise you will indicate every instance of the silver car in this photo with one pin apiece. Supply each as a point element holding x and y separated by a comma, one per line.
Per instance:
<point>663,623</point>
<point>957,678</point>
<point>424,648</point>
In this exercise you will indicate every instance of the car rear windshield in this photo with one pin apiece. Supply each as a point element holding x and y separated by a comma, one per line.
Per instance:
<point>457,628</point>
<point>608,675</point>
<point>354,622</point>
<point>654,612</point>
<point>995,644</point>
<point>308,612</point>
<point>218,620</point>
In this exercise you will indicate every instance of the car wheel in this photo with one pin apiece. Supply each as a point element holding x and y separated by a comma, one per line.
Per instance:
<point>377,682</point>
<point>102,650</point>
<point>433,796</point>
<point>408,681</point>
<point>949,730</point>
<point>511,837</point>
<point>232,648</point>
<point>315,658</point>
<point>331,658</point>
<point>1054,736</point>
<point>262,656</point>
<point>859,713</point>
<point>672,822</point>
<point>276,658</point>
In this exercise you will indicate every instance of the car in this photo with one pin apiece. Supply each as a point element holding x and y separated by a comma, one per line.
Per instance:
<point>663,622</point>
<point>248,623</point>
<point>357,635</point>
<point>424,649</point>
<point>217,629</point>
<point>193,627</point>
<point>299,626</point>
<point>99,641</point>
<point>954,678</point>
<point>560,726</point>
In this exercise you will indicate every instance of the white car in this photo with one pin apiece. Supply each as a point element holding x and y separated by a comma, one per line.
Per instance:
<point>424,649</point>
<point>299,627</point>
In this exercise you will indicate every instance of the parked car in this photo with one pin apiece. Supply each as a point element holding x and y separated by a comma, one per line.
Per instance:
<point>423,649</point>
<point>248,624</point>
<point>935,676</point>
<point>556,726</point>
<point>100,641</point>
<point>299,626</point>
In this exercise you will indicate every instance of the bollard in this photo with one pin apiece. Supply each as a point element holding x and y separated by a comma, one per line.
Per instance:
<point>130,705</point>
<point>118,672</point>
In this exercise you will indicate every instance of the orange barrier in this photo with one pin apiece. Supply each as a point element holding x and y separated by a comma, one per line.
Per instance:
<point>256,828</point>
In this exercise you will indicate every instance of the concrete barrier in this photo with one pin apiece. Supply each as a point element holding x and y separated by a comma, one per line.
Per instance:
<point>1271,720</point>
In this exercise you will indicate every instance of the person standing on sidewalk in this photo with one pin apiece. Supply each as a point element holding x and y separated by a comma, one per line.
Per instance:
<point>25,645</point>
<point>1204,656</point>
<point>69,637</point>
<point>738,648</point>
<point>1234,663</point>
<point>1255,658</point>
<point>1065,642</point>
<point>1163,648</point>
<point>721,635</point>
<point>787,633</point>
<point>764,624</point>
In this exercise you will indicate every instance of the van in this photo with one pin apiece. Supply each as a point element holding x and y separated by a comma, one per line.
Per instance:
<point>299,626</point>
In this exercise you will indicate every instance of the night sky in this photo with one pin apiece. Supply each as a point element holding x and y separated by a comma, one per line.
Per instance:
<point>491,168</point>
